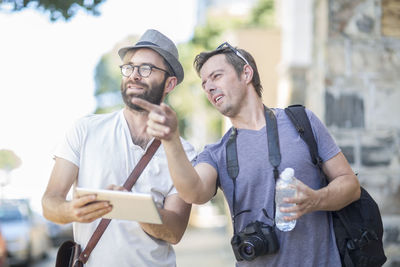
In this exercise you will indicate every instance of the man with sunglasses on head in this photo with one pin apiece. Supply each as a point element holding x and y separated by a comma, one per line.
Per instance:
<point>100,151</point>
<point>231,81</point>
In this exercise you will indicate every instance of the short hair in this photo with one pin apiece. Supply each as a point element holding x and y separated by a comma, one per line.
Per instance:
<point>235,61</point>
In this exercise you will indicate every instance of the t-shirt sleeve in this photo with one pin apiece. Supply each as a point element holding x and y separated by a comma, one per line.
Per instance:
<point>69,147</point>
<point>327,147</point>
<point>206,157</point>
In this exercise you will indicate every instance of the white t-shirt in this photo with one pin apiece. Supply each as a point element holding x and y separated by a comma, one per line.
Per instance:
<point>101,146</point>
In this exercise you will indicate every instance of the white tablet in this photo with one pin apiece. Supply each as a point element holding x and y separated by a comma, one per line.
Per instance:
<point>126,205</point>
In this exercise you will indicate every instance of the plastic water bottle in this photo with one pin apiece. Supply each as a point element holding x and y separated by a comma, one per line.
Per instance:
<point>285,188</point>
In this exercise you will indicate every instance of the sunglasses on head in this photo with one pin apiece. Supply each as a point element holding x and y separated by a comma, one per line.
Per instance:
<point>226,44</point>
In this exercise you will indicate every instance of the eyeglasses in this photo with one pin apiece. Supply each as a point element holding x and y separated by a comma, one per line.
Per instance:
<point>234,50</point>
<point>144,69</point>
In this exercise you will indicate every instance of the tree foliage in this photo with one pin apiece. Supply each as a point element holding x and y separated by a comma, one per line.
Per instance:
<point>9,160</point>
<point>107,79</point>
<point>205,36</point>
<point>262,13</point>
<point>57,9</point>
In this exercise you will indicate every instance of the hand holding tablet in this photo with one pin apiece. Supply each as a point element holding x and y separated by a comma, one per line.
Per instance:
<point>126,205</point>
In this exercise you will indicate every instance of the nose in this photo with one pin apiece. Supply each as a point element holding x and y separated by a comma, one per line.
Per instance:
<point>135,74</point>
<point>208,86</point>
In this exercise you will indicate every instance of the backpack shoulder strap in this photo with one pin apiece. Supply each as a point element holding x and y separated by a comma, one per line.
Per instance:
<point>299,118</point>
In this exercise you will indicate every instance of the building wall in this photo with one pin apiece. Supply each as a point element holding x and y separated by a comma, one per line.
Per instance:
<point>264,46</point>
<point>295,20</point>
<point>354,86</point>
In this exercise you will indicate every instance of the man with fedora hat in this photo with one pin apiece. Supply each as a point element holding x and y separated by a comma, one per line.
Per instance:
<point>101,150</point>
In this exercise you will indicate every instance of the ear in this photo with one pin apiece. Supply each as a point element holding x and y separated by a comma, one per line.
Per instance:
<point>170,84</point>
<point>248,73</point>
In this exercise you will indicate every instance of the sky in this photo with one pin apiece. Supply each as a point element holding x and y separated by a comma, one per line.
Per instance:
<point>47,75</point>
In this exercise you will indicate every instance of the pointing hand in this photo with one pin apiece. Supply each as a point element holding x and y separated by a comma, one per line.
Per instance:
<point>162,120</point>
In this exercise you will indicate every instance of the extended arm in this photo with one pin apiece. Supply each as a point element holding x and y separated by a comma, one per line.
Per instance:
<point>55,206</point>
<point>194,184</point>
<point>343,188</point>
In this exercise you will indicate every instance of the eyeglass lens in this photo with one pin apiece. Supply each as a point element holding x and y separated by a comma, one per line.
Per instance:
<point>128,69</point>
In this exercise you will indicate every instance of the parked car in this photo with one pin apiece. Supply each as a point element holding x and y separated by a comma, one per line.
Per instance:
<point>24,231</point>
<point>59,233</point>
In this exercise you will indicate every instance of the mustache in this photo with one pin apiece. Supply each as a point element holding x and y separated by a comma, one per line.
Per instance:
<point>135,83</point>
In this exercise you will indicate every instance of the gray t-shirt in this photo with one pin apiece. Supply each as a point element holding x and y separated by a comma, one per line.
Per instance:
<point>312,241</point>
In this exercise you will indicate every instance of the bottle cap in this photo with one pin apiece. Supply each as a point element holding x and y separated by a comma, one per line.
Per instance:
<point>287,174</point>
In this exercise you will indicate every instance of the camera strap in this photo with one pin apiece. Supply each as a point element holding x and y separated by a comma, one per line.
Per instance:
<point>273,153</point>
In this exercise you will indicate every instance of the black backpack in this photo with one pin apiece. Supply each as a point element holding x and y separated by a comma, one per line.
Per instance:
<point>358,227</point>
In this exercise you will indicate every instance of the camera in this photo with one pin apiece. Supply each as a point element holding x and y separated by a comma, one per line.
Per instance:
<point>256,239</point>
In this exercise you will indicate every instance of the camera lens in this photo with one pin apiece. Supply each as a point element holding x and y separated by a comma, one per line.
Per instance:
<point>247,251</point>
<point>252,248</point>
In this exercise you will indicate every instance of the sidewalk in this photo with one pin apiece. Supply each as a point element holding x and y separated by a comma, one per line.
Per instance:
<point>201,247</point>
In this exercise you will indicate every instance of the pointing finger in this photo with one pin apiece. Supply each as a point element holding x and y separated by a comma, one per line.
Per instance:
<point>144,104</point>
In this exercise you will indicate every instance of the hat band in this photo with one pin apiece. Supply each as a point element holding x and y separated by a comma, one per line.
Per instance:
<point>146,43</point>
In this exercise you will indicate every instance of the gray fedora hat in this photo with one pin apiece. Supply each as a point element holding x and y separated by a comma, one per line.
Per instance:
<point>160,43</point>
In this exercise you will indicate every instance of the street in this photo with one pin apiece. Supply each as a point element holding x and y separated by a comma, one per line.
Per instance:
<point>199,247</point>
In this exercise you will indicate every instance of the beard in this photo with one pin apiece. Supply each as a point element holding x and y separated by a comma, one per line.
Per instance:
<point>153,93</point>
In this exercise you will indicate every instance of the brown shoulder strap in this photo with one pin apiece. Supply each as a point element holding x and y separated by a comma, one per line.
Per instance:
<point>128,185</point>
